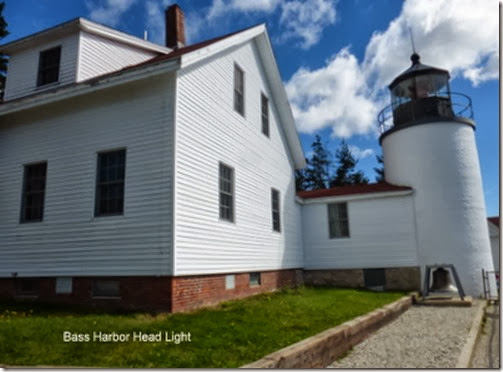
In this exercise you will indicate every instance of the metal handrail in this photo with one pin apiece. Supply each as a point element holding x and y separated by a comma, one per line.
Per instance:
<point>461,106</point>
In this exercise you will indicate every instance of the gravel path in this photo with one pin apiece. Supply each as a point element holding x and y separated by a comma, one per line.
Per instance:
<point>487,349</point>
<point>422,337</point>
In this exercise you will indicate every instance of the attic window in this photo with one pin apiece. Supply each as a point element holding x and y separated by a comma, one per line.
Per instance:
<point>239,90</point>
<point>276,225</point>
<point>48,66</point>
<point>265,114</point>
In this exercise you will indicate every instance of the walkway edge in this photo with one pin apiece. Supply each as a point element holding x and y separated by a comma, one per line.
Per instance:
<point>324,348</point>
<point>466,353</point>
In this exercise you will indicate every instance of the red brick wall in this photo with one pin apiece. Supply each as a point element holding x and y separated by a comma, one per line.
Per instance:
<point>190,292</point>
<point>145,293</point>
<point>155,293</point>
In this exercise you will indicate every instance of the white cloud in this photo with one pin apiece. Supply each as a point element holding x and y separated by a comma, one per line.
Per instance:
<point>335,95</point>
<point>155,20</point>
<point>306,20</point>
<point>300,20</point>
<point>460,36</point>
<point>359,153</point>
<point>109,12</point>
<point>221,7</point>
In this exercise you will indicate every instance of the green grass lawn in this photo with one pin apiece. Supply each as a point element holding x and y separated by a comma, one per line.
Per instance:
<point>230,335</point>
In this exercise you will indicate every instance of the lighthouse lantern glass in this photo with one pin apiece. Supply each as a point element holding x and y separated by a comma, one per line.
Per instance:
<point>412,97</point>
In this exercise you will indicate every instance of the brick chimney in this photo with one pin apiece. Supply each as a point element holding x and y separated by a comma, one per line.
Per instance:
<point>175,27</point>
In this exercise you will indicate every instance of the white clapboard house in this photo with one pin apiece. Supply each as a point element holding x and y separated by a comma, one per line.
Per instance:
<point>136,175</point>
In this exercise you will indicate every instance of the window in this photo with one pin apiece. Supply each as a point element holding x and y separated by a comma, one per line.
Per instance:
<point>106,288</point>
<point>254,279</point>
<point>27,287</point>
<point>32,206</point>
<point>338,220</point>
<point>64,285</point>
<point>276,223</point>
<point>230,281</point>
<point>239,90</point>
<point>110,183</point>
<point>374,279</point>
<point>226,193</point>
<point>48,66</point>
<point>265,115</point>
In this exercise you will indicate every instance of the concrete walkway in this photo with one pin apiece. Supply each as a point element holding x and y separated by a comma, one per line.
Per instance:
<point>487,349</point>
<point>422,337</point>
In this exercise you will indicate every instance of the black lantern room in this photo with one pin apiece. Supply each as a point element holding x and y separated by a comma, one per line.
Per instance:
<point>420,93</point>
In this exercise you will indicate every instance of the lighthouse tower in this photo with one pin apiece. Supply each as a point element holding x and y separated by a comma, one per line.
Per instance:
<point>428,142</point>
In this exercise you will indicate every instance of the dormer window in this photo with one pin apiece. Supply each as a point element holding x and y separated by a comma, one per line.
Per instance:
<point>48,66</point>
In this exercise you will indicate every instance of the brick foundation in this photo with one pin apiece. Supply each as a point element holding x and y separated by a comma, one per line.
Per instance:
<point>136,293</point>
<point>174,294</point>
<point>191,292</point>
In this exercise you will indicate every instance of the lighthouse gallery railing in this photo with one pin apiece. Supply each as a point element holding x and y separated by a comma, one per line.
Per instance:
<point>460,104</point>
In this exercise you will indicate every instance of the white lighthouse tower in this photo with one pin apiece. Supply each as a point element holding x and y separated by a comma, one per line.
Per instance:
<point>428,143</point>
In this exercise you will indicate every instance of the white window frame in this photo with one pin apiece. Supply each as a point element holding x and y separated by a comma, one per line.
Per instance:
<point>264,114</point>
<point>276,211</point>
<point>221,191</point>
<point>339,220</point>
<point>239,91</point>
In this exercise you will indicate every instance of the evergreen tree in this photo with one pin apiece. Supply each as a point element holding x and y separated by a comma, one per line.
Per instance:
<point>3,59</point>
<point>380,169</point>
<point>345,173</point>
<point>317,173</point>
<point>300,178</point>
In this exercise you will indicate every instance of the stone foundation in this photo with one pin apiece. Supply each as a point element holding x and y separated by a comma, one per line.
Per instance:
<point>346,278</point>
<point>397,278</point>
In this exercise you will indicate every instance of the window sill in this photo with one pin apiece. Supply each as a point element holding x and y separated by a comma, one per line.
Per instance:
<point>108,217</point>
<point>106,297</point>
<point>29,222</point>
<point>48,85</point>
<point>26,296</point>
<point>226,221</point>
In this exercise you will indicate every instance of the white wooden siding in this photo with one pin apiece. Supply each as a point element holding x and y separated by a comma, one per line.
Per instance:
<point>23,68</point>
<point>381,235</point>
<point>98,56</point>
<point>209,131</point>
<point>71,241</point>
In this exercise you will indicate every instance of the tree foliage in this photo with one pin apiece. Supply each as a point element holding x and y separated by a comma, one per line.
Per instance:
<point>319,173</point>
<point>380,169</point>
<point>3,59</point>
<point>345,173</point>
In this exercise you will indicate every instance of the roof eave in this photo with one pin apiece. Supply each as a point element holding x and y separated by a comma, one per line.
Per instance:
<point>86,87</point>
<point>353,197</point>
<point>82,24</point>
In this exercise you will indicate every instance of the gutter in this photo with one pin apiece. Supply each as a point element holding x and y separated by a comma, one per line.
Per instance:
<point>353,197</point>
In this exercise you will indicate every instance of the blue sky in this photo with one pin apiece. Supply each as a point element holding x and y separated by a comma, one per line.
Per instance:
<point>335,57</point>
